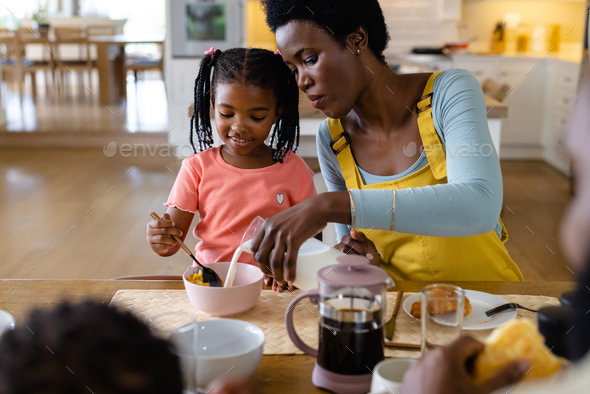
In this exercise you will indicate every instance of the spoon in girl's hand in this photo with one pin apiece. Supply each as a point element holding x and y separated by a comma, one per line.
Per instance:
<point>209,276</point>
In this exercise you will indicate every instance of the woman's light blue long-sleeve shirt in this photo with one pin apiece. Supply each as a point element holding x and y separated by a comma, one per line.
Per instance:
<point>469,204</point>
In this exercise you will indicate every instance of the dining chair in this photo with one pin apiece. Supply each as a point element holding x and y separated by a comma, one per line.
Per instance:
<point>5,32</point>
<point>4,54</point>
<point>101,30</point>
<point>138,64</point>
<point>66,66</point>
<point>15,62</point>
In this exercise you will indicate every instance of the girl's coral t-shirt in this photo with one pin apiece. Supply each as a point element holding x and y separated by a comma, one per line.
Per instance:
<point>228,198</point>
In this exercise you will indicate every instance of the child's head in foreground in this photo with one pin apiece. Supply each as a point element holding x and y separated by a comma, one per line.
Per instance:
<point>250,90</point>
<point>86,347</point>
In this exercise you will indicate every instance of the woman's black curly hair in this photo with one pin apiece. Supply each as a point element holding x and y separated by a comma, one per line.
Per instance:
<point>337,17</point>
<point>257,67</point>
<point>85,348</point>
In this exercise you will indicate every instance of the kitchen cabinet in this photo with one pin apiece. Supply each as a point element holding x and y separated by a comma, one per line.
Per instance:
<point>521,130</point>
<point>514,73</point>
<point>562,81</point>
<point>481,68</point>
<point>540,101</point>
<point>523,126</point>
<point>180,77</point>
<point>450,10</point>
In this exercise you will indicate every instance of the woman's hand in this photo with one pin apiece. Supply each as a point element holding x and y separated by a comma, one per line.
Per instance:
<point>283,233</point>
<point>358,243</point>
<point>444,370</point>
<point>160,232</point>
<point>286,231</point>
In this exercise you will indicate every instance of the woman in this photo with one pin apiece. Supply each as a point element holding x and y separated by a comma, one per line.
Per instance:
<point>425,214</point>
<point>445,370</point>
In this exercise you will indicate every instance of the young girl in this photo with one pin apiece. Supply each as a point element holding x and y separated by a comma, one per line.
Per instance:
<point>228,186</point>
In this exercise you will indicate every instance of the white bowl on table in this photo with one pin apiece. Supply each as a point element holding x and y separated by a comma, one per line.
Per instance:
<point>227,348</point>
<point>226,301</point>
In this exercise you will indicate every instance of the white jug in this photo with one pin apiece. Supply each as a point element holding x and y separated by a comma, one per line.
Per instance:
<point>313,256</point>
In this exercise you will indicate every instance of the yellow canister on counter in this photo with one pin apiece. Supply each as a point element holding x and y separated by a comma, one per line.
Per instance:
<point>555,37</point>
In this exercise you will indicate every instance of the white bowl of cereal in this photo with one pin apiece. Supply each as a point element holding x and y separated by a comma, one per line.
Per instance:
<point>225,301</point>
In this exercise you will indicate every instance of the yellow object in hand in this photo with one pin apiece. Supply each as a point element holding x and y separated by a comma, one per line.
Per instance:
<point>518,339</point>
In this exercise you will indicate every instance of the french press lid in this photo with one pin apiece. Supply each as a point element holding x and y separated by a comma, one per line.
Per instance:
<point>353,270</point>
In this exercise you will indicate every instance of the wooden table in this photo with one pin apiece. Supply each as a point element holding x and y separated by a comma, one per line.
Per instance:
<point>284,374</point>
<point>107,70</point>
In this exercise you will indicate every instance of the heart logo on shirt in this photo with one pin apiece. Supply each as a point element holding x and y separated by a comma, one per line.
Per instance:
<point>280,198</point>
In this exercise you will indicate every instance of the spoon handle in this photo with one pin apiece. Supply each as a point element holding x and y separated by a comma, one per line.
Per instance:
<point>178,240</point>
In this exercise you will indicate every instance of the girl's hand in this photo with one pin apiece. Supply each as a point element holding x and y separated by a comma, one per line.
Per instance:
<point>159,235</point>
<point>358,243</point>
<point>268,280</point>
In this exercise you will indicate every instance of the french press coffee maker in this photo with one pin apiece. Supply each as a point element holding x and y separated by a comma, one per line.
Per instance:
<point>352,301</point>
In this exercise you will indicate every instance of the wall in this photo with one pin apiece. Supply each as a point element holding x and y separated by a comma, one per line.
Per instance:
<point>418,23</point>
<point>481,17</point>
<point>257,31</point>
<point>410,22</point>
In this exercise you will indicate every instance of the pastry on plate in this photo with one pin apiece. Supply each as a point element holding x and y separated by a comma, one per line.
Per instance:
<point>440,306</point>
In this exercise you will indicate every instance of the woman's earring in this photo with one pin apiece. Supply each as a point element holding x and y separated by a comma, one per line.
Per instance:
<point>358,51</point>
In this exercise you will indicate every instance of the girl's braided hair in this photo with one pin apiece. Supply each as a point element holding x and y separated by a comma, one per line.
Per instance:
<point>257,67</point>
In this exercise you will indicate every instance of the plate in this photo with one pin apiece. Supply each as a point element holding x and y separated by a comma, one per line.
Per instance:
<point>480,303</point>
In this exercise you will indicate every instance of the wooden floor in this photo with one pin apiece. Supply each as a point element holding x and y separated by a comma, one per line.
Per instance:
<point>535,198</point>
<point>75,213</point>
<point>77,119</point>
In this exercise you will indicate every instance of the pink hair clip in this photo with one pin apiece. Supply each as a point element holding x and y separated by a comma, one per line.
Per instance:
<point>211,51</point>
<point>278,53</point>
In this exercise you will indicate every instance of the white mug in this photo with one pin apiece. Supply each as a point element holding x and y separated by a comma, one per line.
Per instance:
<point>388,375</point>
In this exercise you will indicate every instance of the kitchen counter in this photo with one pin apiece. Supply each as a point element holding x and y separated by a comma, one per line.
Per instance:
<point>568,52</point>
<point>495,109</point>
<point>312,118</point>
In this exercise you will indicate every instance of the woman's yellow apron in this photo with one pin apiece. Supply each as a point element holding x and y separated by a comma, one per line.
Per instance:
<point>416,257</point>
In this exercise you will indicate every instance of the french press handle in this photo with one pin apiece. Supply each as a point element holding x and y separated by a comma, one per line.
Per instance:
<point>314,296</point>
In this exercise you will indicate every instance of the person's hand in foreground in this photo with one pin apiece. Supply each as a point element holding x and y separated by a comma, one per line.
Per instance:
<point>358,243</point>
<point>445,370</point>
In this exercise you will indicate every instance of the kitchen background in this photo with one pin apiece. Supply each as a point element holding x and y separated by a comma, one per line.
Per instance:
<point>528,66</point>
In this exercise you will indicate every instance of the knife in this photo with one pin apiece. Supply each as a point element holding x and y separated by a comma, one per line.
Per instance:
<point>403,346</point>
<point>390,325</point>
